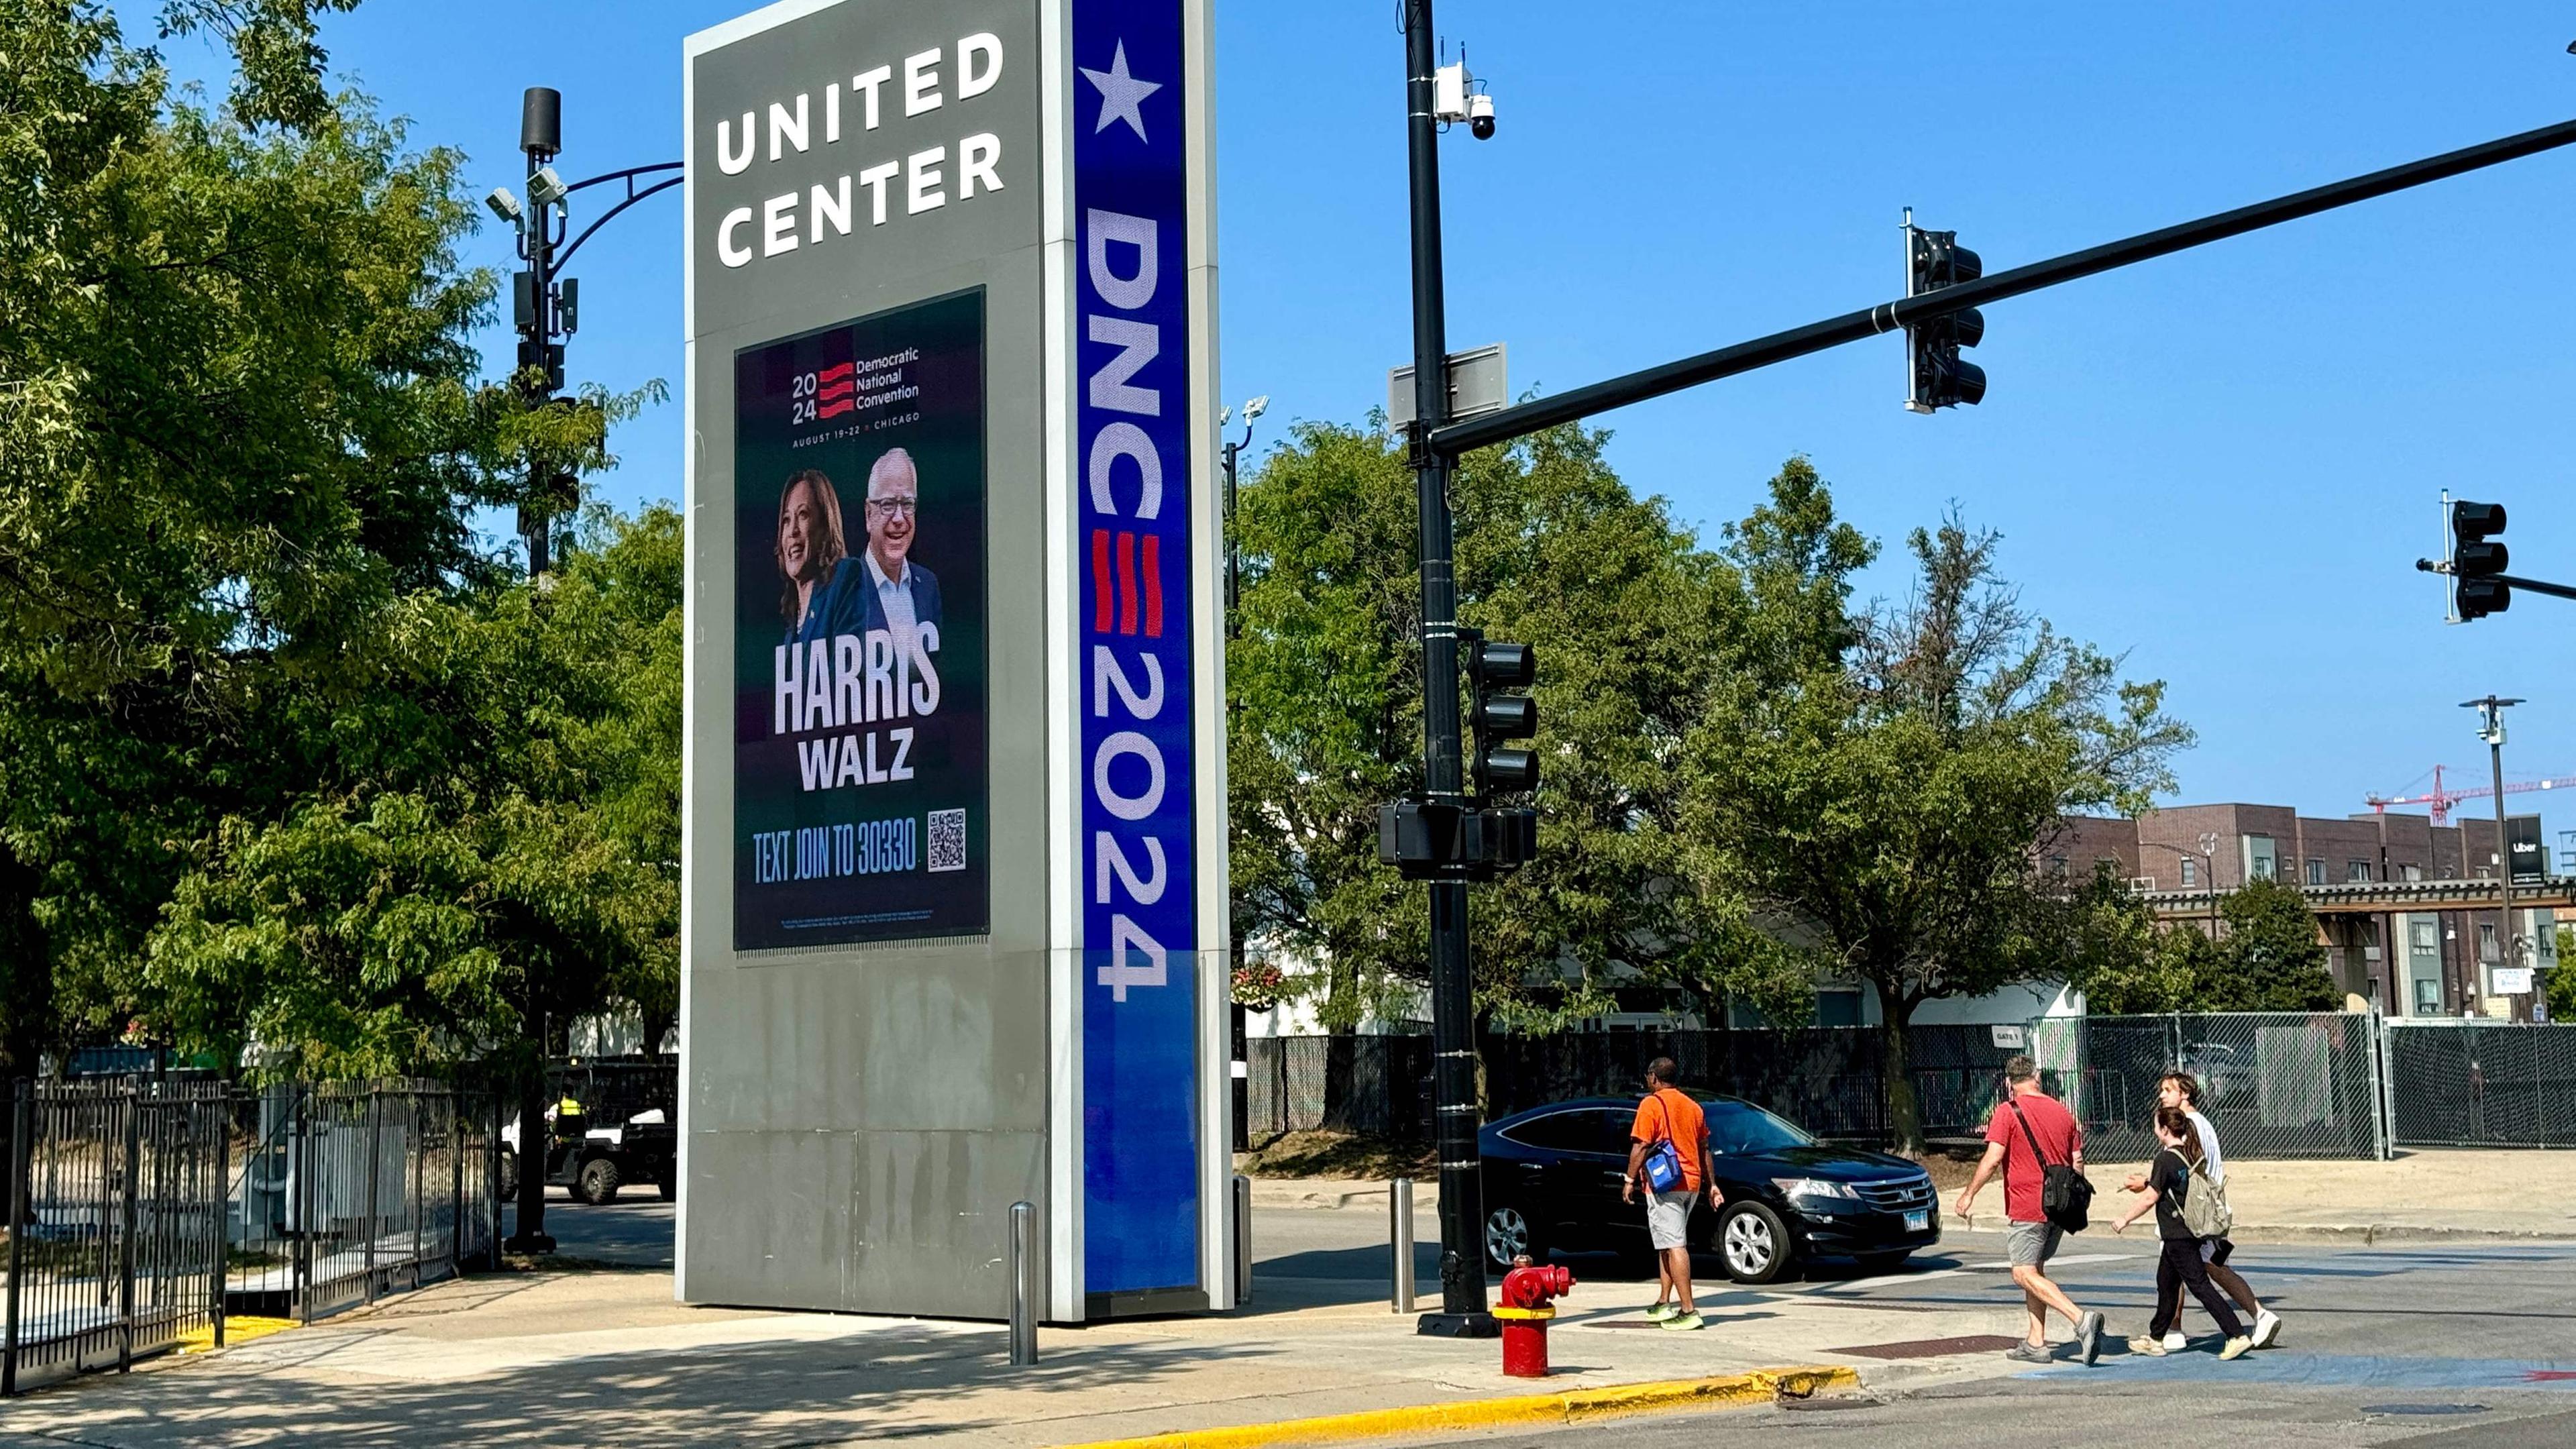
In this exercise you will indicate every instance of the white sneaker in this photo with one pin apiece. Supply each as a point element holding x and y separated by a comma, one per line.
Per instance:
<point>2267,1328</point>
<point>2175,1342</point>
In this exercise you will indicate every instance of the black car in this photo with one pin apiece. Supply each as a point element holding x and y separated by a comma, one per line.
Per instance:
<point>1552,1177</point>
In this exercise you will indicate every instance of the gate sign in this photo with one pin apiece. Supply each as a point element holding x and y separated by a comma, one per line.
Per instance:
<point>953,835</point>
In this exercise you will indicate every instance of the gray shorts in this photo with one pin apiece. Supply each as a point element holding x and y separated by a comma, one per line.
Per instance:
<point>1668,1217</point>
<point>2031,1245</point>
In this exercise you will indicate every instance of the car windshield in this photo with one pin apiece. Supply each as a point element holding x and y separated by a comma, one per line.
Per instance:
<point>1740,1127</point>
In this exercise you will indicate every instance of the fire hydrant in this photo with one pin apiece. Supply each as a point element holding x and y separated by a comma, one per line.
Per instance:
<point>1527,1292</point>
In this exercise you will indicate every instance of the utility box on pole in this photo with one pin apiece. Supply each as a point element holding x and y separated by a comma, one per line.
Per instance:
<point>954,824</point>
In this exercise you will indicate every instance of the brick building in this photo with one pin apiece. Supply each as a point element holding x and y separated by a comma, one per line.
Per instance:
<point>2375,879</point>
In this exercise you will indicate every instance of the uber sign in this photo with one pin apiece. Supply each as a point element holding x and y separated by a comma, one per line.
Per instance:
<point>954,833</point>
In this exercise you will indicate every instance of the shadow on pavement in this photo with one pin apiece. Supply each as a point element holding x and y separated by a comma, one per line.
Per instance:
<point>897,1380</point>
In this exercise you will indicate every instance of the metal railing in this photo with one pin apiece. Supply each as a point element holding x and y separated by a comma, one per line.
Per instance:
<point>116,1222</point>
<point>347,1192</point>
<point>144,1209</point>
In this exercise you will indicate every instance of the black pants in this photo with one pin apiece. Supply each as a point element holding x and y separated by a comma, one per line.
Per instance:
<point>2181,1267</point>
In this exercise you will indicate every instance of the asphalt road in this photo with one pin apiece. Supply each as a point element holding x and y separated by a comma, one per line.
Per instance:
<point>2447,1348</point>
<point>634,1231</point>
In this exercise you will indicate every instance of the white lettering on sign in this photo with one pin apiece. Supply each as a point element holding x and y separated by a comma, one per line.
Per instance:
<point>819,209</point>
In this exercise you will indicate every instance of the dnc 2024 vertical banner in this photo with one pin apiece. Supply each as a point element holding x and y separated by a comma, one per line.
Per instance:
<point>860,631</point>
<point>1135,474</point>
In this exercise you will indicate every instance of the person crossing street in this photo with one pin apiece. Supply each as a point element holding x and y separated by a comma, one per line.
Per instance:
<point>1668,1157</point>
<point>2180,1089</point>
<point>2174,1176</point>
<point>2029,1133</point>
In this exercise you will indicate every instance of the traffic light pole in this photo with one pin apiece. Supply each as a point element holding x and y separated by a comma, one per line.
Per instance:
<point>1448,440</point>
<point>1453,1034</point>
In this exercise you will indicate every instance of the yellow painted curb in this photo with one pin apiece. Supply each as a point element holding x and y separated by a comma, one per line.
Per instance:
<point>238,1328</point>
<point>1574,1406</point>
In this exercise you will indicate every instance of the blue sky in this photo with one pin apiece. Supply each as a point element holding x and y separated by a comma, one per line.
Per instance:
<point>2222,464</point>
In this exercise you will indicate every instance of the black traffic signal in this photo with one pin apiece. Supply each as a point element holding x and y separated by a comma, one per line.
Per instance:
<point>2477,556</point>
<point>1936,376</point>
<point>1496,717</point>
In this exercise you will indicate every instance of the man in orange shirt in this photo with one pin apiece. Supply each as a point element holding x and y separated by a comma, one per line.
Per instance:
<point>1668,1115</point>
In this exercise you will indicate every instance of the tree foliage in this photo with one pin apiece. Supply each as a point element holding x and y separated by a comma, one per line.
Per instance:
<point>1621,608</point>
<point>288,753</point>
<point>1881,781</point>
<point>2267,958</point>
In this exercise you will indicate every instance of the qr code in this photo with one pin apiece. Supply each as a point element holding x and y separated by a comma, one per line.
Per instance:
<point>947,840</point>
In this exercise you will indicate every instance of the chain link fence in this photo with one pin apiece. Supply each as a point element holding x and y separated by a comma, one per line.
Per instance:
<point>2275,1084</point>
<point>2475,1083</point>
<point>144,1209</point>
<point>1831,1080</point>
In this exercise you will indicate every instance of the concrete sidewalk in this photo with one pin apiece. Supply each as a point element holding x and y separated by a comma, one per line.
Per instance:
<point>2427,1195</point>
<point>606,1357</point>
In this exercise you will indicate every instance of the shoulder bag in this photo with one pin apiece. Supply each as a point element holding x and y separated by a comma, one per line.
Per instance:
<point>2065,1197</point>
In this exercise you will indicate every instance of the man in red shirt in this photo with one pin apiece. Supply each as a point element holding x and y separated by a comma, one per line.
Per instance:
<point>2031,1239</point>
<point>1669,1115</point>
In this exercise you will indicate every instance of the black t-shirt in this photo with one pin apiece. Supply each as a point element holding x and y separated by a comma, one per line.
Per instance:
<point>2169,1178</point>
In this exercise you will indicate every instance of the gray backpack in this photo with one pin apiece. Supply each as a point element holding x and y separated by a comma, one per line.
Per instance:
<point>2204,1204</point>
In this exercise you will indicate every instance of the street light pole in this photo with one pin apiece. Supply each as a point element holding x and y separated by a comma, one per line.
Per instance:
<point>1453,1042</point>
<point>2208,869</point>
<point>1239,1068</point>
<point>541,137</point>
<point>2491,729</point>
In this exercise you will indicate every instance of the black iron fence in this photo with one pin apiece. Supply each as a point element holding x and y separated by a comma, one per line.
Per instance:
<point>349,1191</point>
<point>144,1209</point>
<point>116,1222</point>
<point>2482,1084</point>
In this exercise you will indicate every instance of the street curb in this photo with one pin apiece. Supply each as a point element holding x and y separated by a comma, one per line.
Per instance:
<point>1574,1406</point>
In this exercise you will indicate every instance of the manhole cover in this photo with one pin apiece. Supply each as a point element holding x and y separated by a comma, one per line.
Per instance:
<point>1932,1347</point>
<point>2423,1408</point>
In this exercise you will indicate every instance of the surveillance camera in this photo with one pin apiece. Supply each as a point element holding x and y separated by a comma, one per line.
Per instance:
<point>1256,407</point>
<point>545,188</point>
<point>503,204</point>
<point>1480,116</point>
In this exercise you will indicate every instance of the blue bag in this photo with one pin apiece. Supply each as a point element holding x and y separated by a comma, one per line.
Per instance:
<point>1664,1159</point>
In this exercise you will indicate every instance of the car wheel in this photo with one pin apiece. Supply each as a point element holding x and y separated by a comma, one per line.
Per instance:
<point>508,1186</point>
<point>598,1183</point>
<point>1882,1263</point>
<point>1754,1244</point>
<point>1508,1234</point>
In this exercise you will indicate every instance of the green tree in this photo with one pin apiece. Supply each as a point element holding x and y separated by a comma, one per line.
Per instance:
<point>1881,781</point>
<point>2270,957</point>
<point>2267,958</point>
<point>1621,609</point>
<point>508,856</point>
<point>253,654</point>
<point>238,418</point>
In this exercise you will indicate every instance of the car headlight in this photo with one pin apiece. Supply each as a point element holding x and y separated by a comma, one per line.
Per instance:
<point>1814,1187</point>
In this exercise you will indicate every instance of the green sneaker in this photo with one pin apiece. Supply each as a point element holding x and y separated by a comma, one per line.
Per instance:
<point>1684,1322</point>
<point>1660,1312</point>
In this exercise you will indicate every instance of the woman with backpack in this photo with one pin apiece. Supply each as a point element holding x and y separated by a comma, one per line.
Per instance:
<point>2188,1210</point>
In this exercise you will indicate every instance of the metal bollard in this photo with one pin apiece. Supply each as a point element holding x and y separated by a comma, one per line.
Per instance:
<point>1399,1218</point>
<point>1024,1308</point>
<point>1242,1239</point>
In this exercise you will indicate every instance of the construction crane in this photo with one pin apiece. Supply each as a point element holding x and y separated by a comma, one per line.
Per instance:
<point>2442,799</point>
